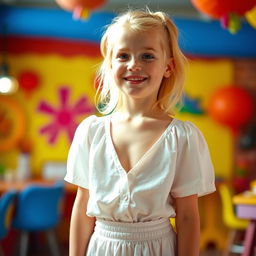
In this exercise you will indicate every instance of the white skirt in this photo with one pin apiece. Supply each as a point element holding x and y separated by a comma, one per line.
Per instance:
<point>154,238</point>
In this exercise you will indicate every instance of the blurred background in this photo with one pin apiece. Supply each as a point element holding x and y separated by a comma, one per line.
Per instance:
<point>48,62</point>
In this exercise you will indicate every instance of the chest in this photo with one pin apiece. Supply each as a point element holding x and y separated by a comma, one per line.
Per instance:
<point>131,143</point>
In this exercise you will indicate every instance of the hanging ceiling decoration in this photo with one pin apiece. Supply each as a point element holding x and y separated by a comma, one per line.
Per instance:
<point>8,84</point>
<point>251,17</point>
<point>80,8</point>
<point>228,11</point>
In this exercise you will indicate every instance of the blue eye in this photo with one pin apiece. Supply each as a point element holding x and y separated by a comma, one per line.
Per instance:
<point>147,56</point>
<point>123,56</point>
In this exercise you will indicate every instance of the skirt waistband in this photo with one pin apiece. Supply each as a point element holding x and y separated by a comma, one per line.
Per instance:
<point>139,231</point>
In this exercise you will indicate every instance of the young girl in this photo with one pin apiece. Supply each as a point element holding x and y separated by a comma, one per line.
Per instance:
<point>137,166</point>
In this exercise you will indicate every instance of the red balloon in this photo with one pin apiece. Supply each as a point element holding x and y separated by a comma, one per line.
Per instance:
<point>232,106</point>
<point>218,8</point>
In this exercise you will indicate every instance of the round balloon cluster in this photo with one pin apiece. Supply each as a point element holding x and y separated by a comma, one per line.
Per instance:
<point>228,11</point>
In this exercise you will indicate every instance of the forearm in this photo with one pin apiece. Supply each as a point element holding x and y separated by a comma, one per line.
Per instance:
<point>187,225</point>
<point>81,225</point>
<point>81,229</point>
<point>188,236</point>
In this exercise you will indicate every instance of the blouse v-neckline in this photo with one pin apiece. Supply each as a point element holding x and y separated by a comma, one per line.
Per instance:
<point>142,158</point>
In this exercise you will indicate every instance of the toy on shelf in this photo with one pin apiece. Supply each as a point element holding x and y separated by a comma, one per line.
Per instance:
<point>23,171</point>
<point>241,181</point>
<point>247,139</point>
<point>245,149</point>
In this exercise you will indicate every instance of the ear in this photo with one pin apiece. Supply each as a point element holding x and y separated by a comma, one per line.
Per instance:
<point>169,68</point>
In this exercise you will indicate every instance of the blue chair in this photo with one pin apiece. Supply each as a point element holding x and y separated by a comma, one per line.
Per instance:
<point>38,208</point>
<point>7,201</point>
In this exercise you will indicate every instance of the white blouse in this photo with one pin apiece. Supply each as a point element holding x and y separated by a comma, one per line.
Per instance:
<point>177,165</point>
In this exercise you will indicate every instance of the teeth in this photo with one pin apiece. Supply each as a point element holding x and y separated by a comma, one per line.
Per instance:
<point>135,79</point>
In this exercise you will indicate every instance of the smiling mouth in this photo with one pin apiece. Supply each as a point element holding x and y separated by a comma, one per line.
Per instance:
<point>135,80</point>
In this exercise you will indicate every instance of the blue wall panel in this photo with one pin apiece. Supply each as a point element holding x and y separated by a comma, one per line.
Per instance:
<point>196,37</point>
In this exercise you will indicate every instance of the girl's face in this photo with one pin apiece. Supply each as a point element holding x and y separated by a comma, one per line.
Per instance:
<point>139,62</point>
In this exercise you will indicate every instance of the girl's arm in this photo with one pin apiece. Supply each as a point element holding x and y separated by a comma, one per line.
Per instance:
<point>187,225</point>
<point>81,226</point>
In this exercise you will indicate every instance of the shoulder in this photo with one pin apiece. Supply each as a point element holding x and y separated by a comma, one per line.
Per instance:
<point>89,126</point>
<point>92,121</point>
<point>184,128</point>
<point>187,133</point>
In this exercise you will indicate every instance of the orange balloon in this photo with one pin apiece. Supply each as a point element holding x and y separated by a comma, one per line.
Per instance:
<point>70,5</point>
<point>232,106</point>
<point>218,8</point>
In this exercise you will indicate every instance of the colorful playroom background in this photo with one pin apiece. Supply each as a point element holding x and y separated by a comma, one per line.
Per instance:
<point>54,58</point>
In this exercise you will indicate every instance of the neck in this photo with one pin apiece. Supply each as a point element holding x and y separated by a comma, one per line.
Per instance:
<point>136,108</point>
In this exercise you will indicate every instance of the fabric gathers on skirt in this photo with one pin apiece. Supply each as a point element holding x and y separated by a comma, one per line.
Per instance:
<point>153,238</point>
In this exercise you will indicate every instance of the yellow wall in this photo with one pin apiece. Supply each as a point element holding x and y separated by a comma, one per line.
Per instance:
<point>54,72</point>
<point>203,77</point>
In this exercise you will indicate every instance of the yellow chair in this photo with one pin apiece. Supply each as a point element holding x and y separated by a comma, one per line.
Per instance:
<point>236,226</point>
<point>172,221</point>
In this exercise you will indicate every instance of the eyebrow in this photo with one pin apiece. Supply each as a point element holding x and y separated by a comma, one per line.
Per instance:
<point>144,48</point>
<point>150,49</point>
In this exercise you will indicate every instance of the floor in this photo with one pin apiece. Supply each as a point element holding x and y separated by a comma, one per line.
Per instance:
<point>39,247</point>
<point>211,253</point>
<point>206,253</point>
<point>64,252</point>
<point>44,251</point>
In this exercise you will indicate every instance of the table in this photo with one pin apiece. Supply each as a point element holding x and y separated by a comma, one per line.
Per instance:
<point>18,185</point>
<point>246,209</point>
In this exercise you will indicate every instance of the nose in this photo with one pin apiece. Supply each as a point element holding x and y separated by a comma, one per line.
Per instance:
<point>134,65</point>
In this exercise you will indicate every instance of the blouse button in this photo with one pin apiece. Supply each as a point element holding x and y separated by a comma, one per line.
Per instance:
<point>125,197</point>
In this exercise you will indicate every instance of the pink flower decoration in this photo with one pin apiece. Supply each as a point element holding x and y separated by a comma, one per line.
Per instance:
<point>63,118</point>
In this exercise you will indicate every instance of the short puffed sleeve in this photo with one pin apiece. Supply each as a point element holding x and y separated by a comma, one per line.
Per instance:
<point>194,170</point>
<point>78,156</point>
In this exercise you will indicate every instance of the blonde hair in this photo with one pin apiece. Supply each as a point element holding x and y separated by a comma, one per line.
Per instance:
<point>108,96</point>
